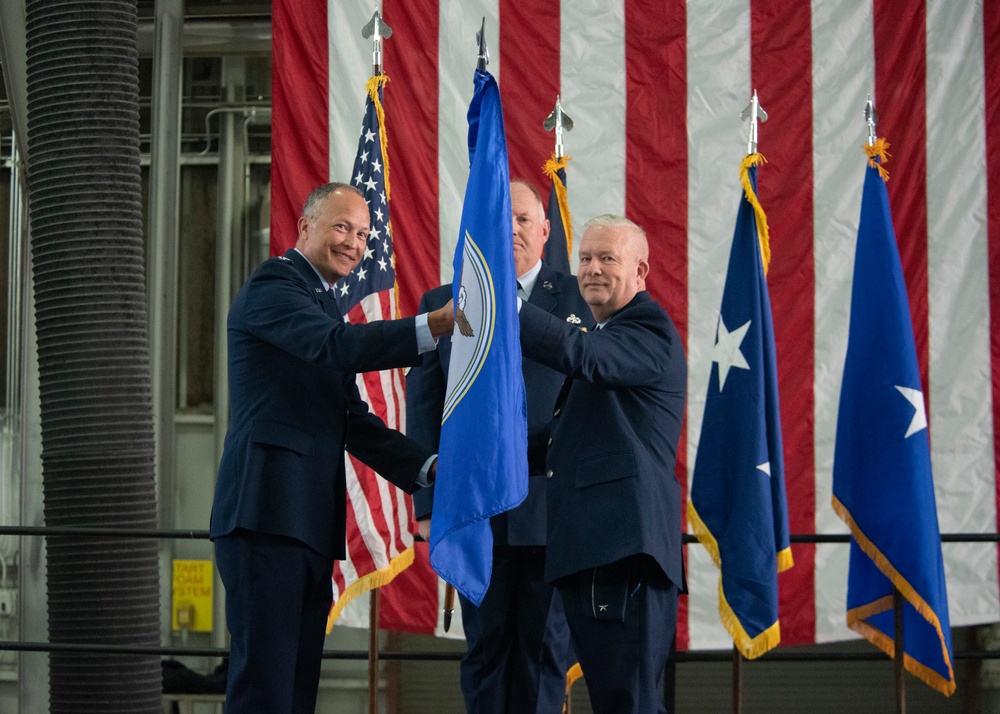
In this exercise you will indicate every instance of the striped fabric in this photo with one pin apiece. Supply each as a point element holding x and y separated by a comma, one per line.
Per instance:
<point>655,89</point>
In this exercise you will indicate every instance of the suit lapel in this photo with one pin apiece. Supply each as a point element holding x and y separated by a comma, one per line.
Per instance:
<point>325,299</point>
<point>545,294</point>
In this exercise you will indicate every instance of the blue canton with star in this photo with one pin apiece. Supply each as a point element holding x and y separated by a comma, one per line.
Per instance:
<point>375,272</point>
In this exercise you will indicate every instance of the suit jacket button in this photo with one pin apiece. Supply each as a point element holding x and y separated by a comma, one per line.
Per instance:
<point>548,474</point>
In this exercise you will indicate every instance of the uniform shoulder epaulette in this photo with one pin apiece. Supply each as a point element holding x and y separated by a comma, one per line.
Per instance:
<point>283,258</point>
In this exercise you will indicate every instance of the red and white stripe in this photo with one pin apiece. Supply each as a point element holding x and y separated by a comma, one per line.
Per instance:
<point>379,516</point>
<point>655,88</point>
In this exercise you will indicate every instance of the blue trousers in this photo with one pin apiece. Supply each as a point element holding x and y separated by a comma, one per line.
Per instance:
<point>622,618</point>
<point>278,596</point>
<point>518,640</point>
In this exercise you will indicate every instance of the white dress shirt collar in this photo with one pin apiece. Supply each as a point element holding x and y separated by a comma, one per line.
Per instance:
<point>528,280</point>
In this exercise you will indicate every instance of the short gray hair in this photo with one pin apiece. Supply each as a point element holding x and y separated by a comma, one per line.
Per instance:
<point>531,187</point>
<point>321,193</point>
<point>611,220</point>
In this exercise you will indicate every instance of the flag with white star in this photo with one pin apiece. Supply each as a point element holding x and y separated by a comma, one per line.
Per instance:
<point>737,506</point>
<point>882,483</point>
<point>379,540</point>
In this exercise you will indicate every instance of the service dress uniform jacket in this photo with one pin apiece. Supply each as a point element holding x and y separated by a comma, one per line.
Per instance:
<point>558,295</point>
<point>295,408</point>
<point>279,515</point>
<point>612,491</point>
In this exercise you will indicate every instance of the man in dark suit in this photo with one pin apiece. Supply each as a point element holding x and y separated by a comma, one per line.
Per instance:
<point>614,503</point>
<point>518,640</point>
<point>278,519</point>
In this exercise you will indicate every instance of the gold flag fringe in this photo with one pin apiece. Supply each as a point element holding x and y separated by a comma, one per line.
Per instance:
<point>550,168</point>
<point>375,579</point>
<point>749,647</point>
<point>758,210</point>
<point>372,85</point>
<point>856,616</point>
<point>575,672</point>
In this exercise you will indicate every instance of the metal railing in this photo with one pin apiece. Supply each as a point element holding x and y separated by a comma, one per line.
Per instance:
<point>682,656</point>
<point>374,654</point>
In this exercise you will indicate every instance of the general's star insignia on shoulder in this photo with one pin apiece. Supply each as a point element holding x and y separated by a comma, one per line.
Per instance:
<point>574,319</point>
<point>281,257</point>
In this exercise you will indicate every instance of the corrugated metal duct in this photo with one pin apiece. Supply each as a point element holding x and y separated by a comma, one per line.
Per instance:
<point>96,404</point>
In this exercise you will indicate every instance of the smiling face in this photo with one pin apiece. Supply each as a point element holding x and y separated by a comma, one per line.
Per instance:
<point>531,227</point>
<point>613,267</point>
<point>333,234</point>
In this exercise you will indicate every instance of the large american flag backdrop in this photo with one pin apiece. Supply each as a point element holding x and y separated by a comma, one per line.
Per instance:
<point>655,88</point>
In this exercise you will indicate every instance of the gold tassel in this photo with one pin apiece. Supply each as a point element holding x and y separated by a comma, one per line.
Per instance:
<point>879,150</point>
<point>550,168</point>
<point>758,210</point>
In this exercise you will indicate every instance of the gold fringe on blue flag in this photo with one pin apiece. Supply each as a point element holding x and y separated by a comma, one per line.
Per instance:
<point>552,168</point>
<point>737,507</point>
<point>883,487</point>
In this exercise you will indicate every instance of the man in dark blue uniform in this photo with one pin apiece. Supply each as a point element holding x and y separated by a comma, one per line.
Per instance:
<point>518,640</point>
<point>614,503</point>
<point>278,519</point>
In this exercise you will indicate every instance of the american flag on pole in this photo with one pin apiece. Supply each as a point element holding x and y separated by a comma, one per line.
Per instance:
<point>379,516</point>
<point>656,90</point>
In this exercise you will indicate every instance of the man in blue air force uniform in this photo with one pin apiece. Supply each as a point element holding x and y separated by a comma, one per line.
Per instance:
<point>614,503</point>
<point>518,641</point>
<point>278,519</point>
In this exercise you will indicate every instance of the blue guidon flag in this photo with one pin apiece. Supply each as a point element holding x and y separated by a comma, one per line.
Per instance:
<point>882,484</point>
<point>482,465</point>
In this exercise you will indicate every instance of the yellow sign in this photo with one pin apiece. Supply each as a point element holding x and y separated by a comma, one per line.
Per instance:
<point>191,605</point>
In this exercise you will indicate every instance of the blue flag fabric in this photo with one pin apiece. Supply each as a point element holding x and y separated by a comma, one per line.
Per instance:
<point>560,242</point>
<point>737,506</point>
<point>482,466</point>
<point>882,483</point>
